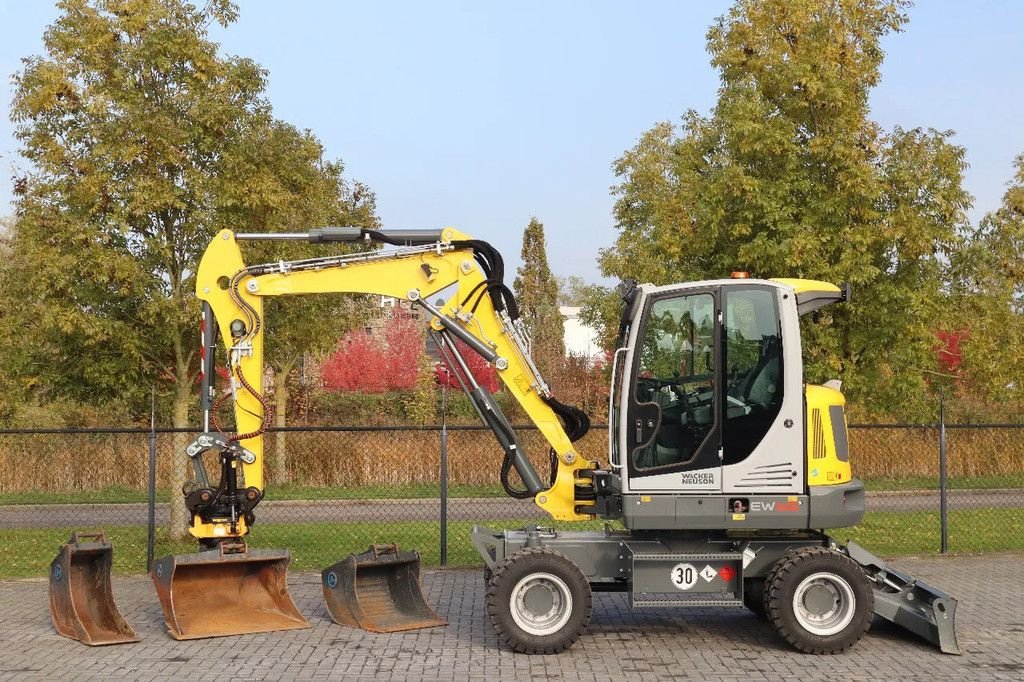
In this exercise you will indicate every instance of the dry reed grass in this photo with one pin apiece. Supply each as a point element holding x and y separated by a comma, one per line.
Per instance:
<point>87,462</point>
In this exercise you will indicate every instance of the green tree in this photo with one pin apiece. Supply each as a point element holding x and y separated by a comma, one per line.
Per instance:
<point>143,142</point>
<point>988,299</point>
<point>536,291</point>
<point>572,290</point>
<point>788,176</point>
<point>9,393</point>
<point>299,189</point>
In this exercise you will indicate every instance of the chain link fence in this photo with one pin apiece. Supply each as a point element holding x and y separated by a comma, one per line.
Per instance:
<point>335,490</point>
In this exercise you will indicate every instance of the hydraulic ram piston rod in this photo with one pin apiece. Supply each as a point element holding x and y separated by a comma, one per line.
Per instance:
<point>346,234</point>
<point>455,328</point>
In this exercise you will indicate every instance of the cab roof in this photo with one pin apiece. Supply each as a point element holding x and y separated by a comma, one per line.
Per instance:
<point>811,294</point>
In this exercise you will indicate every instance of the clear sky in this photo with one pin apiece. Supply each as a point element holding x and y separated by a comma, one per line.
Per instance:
<point>480,115</point>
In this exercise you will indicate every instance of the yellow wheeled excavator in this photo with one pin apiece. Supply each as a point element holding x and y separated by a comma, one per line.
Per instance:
<point>723,467</point>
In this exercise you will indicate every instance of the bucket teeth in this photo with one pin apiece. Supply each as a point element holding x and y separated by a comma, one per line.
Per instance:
<point>379,591</point>
<point>81,600</point>
<point>215,594</point>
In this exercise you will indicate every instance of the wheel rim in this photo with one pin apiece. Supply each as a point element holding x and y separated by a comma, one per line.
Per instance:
<point>541,603</point>
<point>824,603</point>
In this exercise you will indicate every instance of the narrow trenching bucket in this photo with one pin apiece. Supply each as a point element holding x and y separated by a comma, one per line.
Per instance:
<point>379,591</point>
<point>216,593</point>
<point>81,601</point>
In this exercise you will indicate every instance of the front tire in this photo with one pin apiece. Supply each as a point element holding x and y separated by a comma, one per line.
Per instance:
<point>539,601</point>
<point>818,600</point>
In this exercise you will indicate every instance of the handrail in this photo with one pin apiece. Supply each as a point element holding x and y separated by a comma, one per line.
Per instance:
<point>613,461</point>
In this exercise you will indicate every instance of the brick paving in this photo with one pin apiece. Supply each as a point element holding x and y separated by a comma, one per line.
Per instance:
<point>623,645</point>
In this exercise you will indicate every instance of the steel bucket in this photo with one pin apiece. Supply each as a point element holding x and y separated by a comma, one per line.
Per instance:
<point>379,591</point>
<point>81,601</point>
<point>216,593</point>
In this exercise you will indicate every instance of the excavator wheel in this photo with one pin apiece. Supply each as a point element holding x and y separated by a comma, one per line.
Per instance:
<point>539,601</point>
<point>818,600</point>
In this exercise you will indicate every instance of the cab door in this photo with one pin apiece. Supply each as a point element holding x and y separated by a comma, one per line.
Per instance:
<point>670,429</point>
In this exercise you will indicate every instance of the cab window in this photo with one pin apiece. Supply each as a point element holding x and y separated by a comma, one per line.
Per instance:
<point>752,357</point>
<point>676,371</point>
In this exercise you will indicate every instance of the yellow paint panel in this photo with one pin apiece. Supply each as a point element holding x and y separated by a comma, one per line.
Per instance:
<point>801,286</point>
<point>823,466</point>
<point>216,530</point>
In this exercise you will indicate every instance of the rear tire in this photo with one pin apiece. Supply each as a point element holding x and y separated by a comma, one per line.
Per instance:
<point>539,601</point>
<point>818,600</point>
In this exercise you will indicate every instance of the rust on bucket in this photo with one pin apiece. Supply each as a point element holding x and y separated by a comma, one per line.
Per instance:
<point>379,591</point>
<point>81,600</point>
<point>217,592</point>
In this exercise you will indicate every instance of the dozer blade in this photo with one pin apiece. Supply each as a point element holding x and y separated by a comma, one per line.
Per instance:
<point>378,590</point>
<point>909,603</point>
<point>215,593</point>
<point>81,601</point>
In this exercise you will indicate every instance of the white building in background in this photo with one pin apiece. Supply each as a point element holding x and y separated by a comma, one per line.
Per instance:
<point>580,339</point>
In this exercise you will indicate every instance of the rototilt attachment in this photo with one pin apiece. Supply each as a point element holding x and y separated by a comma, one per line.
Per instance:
<point>226,591</point>
<point>81,601</point>
<point>909,603</point>
<point>378,590</point>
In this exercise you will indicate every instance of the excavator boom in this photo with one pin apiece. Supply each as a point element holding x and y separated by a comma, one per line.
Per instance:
<point>216,592</point>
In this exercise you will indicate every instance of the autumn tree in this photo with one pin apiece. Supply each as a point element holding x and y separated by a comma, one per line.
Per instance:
<point>572,290</point>
<point>369,363</point>
<point>299,190</point>
<point>789,176</point>
<point>143,142</point>
<point>987,311</point>
<point>536,291</point>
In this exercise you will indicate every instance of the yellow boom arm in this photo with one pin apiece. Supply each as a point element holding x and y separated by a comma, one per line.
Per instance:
<point>235,293</point>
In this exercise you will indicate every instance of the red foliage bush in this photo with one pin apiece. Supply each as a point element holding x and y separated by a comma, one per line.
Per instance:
<point>949,351</point>
<point>368,364</point>
<point>484,374</point>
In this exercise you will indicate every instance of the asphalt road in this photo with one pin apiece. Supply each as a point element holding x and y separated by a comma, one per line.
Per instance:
<point>459,509</point>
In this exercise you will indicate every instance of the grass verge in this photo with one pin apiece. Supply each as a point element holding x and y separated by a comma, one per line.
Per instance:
<point>28,552</point>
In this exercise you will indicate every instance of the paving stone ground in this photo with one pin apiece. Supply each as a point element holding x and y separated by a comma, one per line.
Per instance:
<point>723,643</point>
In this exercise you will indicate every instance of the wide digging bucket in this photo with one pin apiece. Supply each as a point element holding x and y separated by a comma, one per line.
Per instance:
<point>217,593</point>
<point>378,590</point>
<point>81,601</point>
